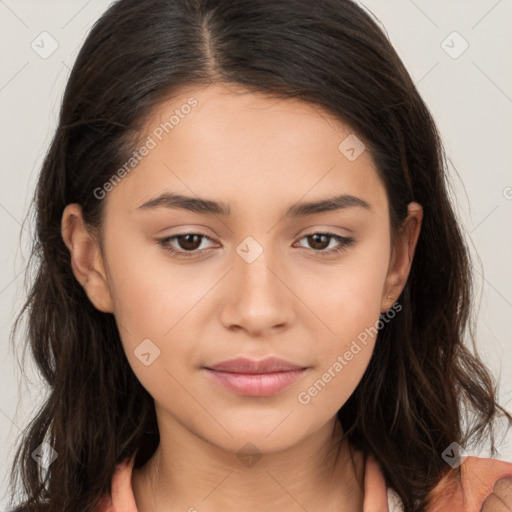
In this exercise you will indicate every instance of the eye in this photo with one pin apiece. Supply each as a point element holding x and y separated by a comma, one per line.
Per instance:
<point>187,243</point>
<point>320,241</point>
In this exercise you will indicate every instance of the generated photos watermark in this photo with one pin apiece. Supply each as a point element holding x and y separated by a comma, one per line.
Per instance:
<point>304,397</point>
<point>150,143</point>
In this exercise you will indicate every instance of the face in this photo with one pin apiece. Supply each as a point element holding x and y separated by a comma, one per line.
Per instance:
<point>253,276</point>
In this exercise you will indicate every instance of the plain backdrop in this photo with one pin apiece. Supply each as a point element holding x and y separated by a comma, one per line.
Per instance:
<point>458,53</point>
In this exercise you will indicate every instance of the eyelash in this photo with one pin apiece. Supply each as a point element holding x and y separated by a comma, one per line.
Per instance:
<point>344,243</point>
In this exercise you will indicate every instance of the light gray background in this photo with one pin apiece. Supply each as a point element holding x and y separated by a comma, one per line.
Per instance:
<point>470,97</point>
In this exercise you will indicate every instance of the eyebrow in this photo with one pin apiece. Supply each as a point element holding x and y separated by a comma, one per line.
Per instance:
<point>208,206</point>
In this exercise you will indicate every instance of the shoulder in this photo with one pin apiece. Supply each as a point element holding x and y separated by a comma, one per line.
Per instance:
<point>480,482</point>
<point>500,499</point>
<point>488,483</point>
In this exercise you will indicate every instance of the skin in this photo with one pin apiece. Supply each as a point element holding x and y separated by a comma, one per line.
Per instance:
<point>260,155</point>
<point>500,500</point>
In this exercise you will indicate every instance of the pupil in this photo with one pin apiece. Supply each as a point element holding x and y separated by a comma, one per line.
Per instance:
<point>188,242</point>
<point>316,241</point>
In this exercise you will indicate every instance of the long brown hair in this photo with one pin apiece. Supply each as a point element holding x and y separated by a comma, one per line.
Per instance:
<point>422,384</point>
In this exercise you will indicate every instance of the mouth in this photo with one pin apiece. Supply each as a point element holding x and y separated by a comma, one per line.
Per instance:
<point>255,378</point>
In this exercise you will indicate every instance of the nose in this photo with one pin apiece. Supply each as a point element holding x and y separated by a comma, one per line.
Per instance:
<point>257,298</point>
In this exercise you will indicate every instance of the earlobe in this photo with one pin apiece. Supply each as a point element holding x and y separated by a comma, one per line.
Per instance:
<point>402,256</point>
<point>85,258</point>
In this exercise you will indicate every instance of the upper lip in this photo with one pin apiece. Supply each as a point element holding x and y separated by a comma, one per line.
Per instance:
<point>244,365</point>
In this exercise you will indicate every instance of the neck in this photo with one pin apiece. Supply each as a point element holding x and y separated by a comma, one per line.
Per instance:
<point>190,474</point>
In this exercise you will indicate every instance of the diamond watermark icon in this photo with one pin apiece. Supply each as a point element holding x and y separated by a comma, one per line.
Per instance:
<point>454,455</point>
<point>454,45</point>
<point>44,455</point>
<point>249,249</point>
<point>146,352</point>
<point>351,147</point>
<point>249,455</point>
<point>44,45</point>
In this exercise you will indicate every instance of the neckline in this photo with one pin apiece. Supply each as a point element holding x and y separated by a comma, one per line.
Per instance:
<point>376,493</point>
<point>478,477</point>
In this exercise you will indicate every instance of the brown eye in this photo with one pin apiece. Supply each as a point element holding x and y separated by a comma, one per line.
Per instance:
<point>319,242</point>
<point>186,244</point>
<point>189,242</point>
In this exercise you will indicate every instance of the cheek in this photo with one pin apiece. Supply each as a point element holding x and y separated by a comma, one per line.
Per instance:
<point>150,293</point>
<point>349,302</point>
<point>152,306</point>
<point>344,356</point>
<point>147,301</point>
<point>328,390</point>
<point>158,306</point>
<point>348,296</point>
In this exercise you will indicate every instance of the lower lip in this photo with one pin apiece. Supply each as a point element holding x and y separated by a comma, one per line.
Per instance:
<point>261,384</point>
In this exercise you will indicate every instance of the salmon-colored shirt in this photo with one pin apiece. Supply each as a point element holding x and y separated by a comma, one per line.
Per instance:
<point>478,478</point>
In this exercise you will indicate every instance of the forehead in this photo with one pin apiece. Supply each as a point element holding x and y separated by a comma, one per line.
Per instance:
<point>239,146</point>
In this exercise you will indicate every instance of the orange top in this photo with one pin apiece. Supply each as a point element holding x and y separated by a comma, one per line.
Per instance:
<point>478,478</point>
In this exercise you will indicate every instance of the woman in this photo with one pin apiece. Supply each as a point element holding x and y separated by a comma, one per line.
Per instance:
<point>253,290</point>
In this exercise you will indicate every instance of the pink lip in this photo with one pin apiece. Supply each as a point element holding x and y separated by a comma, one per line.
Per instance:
<point>255,378</point>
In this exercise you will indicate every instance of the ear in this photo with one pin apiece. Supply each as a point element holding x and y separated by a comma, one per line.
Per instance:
<point>86,258</point>
<point>402,254</point>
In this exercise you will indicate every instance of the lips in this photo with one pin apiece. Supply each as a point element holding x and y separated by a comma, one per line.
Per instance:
<point>255,378</point>
<point>243,365</point>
